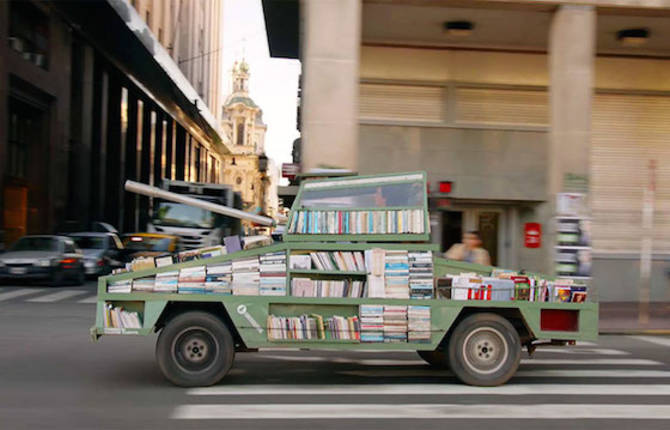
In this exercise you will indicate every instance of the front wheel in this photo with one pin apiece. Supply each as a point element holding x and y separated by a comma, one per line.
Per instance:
<point>484,350</point>
<point>195,349</point>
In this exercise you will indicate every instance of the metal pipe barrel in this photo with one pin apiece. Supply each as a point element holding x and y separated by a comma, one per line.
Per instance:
<point>148,190</point>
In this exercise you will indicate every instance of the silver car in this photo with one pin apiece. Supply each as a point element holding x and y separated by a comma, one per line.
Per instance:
<point>55,259</point>
<point>102,251</point>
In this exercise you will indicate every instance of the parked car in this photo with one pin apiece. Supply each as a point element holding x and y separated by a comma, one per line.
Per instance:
<point>51,258</point>
<point>149,244</point>
<point>102,251</point>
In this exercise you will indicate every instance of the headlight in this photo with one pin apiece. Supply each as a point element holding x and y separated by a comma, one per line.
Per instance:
<point>45,262</point>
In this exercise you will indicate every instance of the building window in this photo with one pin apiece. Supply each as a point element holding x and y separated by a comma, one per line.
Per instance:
<point>240,133</point>
<point>29,32</point>
<point>238,181</point>
<point>147,18</point>
<point>160,35</point>
<point>134,3</point>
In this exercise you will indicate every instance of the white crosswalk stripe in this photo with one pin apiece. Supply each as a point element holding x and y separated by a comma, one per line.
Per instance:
<point>539,366</point>
<point>657,340</point>
<point>435,389</point>
<point>57,296</point>
<point>11,294</point>
<point>420,411</point>
<point>91,299</point>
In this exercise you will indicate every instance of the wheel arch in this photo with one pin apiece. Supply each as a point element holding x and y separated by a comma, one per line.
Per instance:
<point>513,315</point>
<point>175,308</point>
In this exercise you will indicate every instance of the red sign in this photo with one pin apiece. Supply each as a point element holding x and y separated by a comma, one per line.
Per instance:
<point>445,187</point>
<point>289,170</point>
<point>532,235</point>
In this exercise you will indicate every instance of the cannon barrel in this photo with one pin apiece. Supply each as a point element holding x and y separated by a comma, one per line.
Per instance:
<point>148,190</point>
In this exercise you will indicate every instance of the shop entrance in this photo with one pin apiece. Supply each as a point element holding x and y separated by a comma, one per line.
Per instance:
<point>486,221</point>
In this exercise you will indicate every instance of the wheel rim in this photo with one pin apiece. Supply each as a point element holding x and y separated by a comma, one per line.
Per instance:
<point>195,349</point>
<point>485,350</point>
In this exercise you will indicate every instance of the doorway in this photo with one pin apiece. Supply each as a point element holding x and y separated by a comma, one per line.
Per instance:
<point>487,222</point>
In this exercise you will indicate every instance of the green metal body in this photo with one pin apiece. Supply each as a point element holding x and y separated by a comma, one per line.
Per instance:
<point>242,310</point>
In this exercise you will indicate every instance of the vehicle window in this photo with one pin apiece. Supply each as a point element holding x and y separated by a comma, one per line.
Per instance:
<point>181,215</point>
<point>69,247</point>
<point>35,244</point>
<point>144,243</point>
<point>116,242</point>
<point>90,242</point>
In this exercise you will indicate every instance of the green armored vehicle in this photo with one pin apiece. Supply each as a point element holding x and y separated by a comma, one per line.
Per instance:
<point>355,271</point>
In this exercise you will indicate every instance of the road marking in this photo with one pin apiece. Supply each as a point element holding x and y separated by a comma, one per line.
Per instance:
<point>435,389</point>
<point>538,361</point>
<point>18,293</point>
<point>600,361</point>
<point>59,295</point>
<point>658,340</point>
<point>92,299</point>
<point>536,373</point>
<point>420,411</point>
<point>584,351</point>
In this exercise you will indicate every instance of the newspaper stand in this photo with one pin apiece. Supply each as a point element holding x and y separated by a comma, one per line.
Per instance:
<point>480,340</point>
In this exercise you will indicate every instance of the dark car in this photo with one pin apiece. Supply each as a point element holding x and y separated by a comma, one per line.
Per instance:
<point>52,258</point>
<point>102,251</point>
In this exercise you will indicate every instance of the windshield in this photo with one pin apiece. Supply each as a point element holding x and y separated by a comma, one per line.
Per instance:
<point>89,242</point>
<point>180,215</point>
<point>408,194</point>
<point>35,244</point>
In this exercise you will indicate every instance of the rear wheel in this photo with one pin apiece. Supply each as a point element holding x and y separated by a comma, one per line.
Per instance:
<point>56,278</point>
<point>437,358</point>
<point>484,350</point>
<point>195,349</point>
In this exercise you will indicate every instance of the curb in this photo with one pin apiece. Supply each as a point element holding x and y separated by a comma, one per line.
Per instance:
<point>654,332</point>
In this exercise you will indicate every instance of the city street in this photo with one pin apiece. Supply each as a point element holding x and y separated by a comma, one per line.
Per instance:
<point>53,376</point>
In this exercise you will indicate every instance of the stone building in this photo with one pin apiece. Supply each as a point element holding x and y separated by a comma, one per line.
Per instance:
<point>246,167</point>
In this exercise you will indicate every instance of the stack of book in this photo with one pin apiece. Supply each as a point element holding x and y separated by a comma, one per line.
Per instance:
<point>372,323</point>
<point>408,221</point>
<point>145,285</point>
<point>219,278</point>
<point>124,286</point>
<point>273,274</point>
<point>418,324</point>
<point>118,318</point>
<point>305,287</point>
<point>396,274</point>
<point>167,282</point>
<point>301,261</point>
<point>421,274</point>
<point>395,323</point>
<point>339,260</point>
<point>246,276</point>
<point>342,328</point>
<point>303,327</point>
<point>192,280</point>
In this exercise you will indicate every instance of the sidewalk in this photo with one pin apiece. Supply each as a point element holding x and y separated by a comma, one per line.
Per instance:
<point>623,317</point>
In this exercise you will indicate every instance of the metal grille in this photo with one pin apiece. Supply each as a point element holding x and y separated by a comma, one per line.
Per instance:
<point>493,106</point>
<point>392,102</point>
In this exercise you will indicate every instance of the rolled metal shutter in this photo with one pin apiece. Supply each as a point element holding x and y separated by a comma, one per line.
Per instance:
<point>628,131</point>
<point>502,106</point>
<point>392,102</point>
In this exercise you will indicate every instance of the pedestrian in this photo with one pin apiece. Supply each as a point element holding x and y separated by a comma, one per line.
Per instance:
<point>470,250</point>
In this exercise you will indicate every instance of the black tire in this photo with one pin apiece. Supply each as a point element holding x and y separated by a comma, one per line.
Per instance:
<point>56,279</point>
<point>195,349</point>
<point>80,278</point>
<point>484,350</point>
<point>437,358</point>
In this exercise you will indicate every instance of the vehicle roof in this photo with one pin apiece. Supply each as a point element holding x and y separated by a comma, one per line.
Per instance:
<point>52,236</point>
<point>92,233</point>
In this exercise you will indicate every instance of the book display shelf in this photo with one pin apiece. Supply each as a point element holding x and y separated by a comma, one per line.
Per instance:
<point>356,270</point>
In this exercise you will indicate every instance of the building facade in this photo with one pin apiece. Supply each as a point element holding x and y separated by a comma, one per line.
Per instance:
<point>509,106</point>
<point>192,33</point>
<point>88,99</point>
<point>247,168</point>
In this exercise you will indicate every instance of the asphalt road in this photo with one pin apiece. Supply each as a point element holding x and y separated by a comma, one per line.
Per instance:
<point>53,376</point>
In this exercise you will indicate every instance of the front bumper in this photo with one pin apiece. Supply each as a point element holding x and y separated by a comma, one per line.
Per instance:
<point>26,272</point>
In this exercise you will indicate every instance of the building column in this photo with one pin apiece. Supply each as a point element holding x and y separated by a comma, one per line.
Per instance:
<point>572,41</point>
<point>330,56</point>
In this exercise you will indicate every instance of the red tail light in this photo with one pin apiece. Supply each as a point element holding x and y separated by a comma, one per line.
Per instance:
<point>68,261</point>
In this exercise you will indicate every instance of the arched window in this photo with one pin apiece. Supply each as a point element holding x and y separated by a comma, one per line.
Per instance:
<point>240,133</point>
